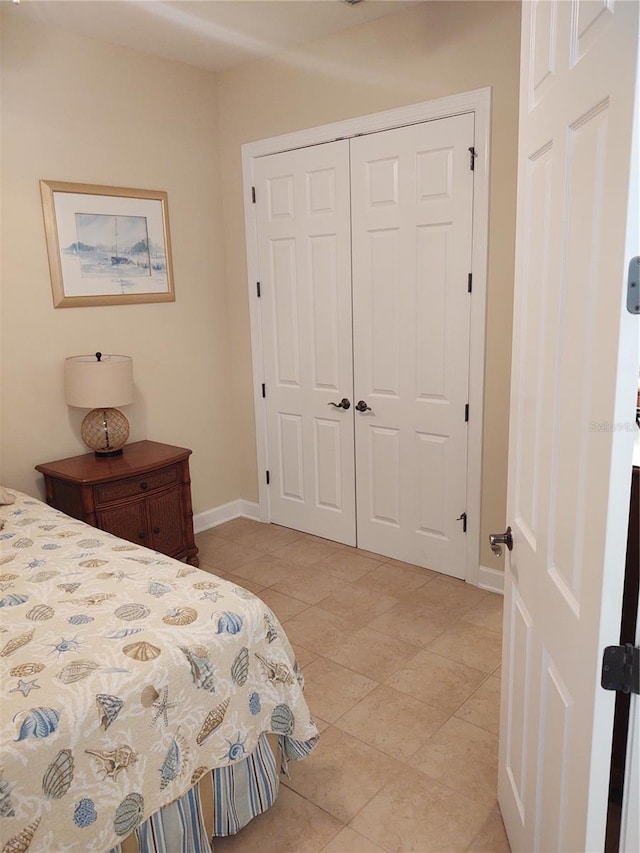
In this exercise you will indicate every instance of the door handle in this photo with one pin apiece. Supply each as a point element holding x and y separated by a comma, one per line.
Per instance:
<point>361,406</point>
<point>497,540</point>
<point>343,404</point>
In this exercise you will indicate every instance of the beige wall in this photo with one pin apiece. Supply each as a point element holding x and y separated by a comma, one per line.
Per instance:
<point>75,109</point>
<point>433,50</point>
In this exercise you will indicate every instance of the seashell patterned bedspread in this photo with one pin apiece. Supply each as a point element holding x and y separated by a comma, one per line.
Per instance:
<point>125,676</point>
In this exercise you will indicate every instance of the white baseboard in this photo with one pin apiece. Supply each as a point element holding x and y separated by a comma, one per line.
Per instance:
<point>491,579</point>
<point>219,514</point>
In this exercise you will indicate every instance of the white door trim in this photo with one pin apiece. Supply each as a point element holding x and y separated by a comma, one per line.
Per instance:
<point>477,101</point>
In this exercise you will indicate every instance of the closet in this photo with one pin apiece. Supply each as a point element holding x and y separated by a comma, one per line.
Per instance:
<point>364,252</point>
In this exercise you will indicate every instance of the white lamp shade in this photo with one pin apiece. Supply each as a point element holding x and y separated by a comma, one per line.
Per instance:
<point>93,384</point>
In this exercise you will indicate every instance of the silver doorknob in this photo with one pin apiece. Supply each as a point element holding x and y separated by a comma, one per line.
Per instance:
<point>497,540</point>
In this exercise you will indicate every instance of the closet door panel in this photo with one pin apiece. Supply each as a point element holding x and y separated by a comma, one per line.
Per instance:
<point>383,327</point>
<point>412,193</point>
<point>302,214</point>
<point>286,337</point>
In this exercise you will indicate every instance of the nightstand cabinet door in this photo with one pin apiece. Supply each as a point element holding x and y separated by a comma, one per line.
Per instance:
<point>165,514</point>
<point>128,521</point>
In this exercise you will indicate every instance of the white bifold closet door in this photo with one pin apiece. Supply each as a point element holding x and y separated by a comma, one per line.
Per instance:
<point>364,256</point>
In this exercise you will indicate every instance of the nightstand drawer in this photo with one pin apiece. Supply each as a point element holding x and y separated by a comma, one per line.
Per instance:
<point>106,493</point>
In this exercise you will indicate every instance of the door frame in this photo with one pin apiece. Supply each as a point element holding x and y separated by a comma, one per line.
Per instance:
<point>476,101</point>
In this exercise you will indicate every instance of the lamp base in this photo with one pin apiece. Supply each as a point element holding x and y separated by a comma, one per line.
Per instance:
<point>105,431</point>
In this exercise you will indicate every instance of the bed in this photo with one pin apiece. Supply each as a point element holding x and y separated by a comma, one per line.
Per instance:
<point>137,693</point>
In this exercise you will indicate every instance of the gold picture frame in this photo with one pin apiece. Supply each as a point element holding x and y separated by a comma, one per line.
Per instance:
<point>107,245</point>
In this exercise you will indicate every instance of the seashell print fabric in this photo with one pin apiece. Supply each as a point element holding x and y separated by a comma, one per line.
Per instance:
<point>124,677</point>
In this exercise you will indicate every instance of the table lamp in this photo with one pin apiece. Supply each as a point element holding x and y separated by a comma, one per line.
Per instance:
<point>100,383</point>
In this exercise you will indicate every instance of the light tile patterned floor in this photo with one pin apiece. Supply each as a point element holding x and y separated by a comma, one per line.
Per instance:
<point>402,673</point>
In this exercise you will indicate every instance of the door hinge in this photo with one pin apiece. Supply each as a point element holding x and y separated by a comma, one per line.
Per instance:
<point>472,156</point>
<point>469,282</point>
<point>463,519</point>
<point>264,390</point>
<point>253,194</point>
<point>258,288</point>
<point>633,286</point>
<point>466,413</point>
<point>268,478</point>
<point>621,668</point>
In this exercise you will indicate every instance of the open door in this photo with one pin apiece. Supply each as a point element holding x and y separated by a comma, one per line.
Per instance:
<point>574,379</point>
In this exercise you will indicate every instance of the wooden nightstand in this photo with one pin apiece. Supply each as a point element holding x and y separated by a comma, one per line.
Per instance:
<point>143,496</point>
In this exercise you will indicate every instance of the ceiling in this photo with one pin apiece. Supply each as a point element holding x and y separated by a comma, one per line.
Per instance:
<point>210,34</point>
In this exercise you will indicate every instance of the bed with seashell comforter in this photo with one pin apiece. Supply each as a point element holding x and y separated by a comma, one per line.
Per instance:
<point>129,682</point>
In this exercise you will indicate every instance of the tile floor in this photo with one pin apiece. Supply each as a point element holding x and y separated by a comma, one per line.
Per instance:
<point>402,674</point>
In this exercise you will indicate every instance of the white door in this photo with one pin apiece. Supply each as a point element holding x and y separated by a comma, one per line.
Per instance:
<point>412,196</point>
<point>305,294</point>
<point>394,240</point>
<point>574,375</point>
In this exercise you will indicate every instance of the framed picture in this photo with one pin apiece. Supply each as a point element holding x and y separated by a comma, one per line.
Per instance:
<point>107,245</point>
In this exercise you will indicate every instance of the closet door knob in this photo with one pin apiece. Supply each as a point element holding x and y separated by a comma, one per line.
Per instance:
<point>361,406</point>
<point>343,404</point>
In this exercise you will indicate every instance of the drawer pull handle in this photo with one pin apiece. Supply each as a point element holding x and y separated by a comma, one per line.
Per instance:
<point>141,534</point>
<point>156,530</point>
<point>144,485</point>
